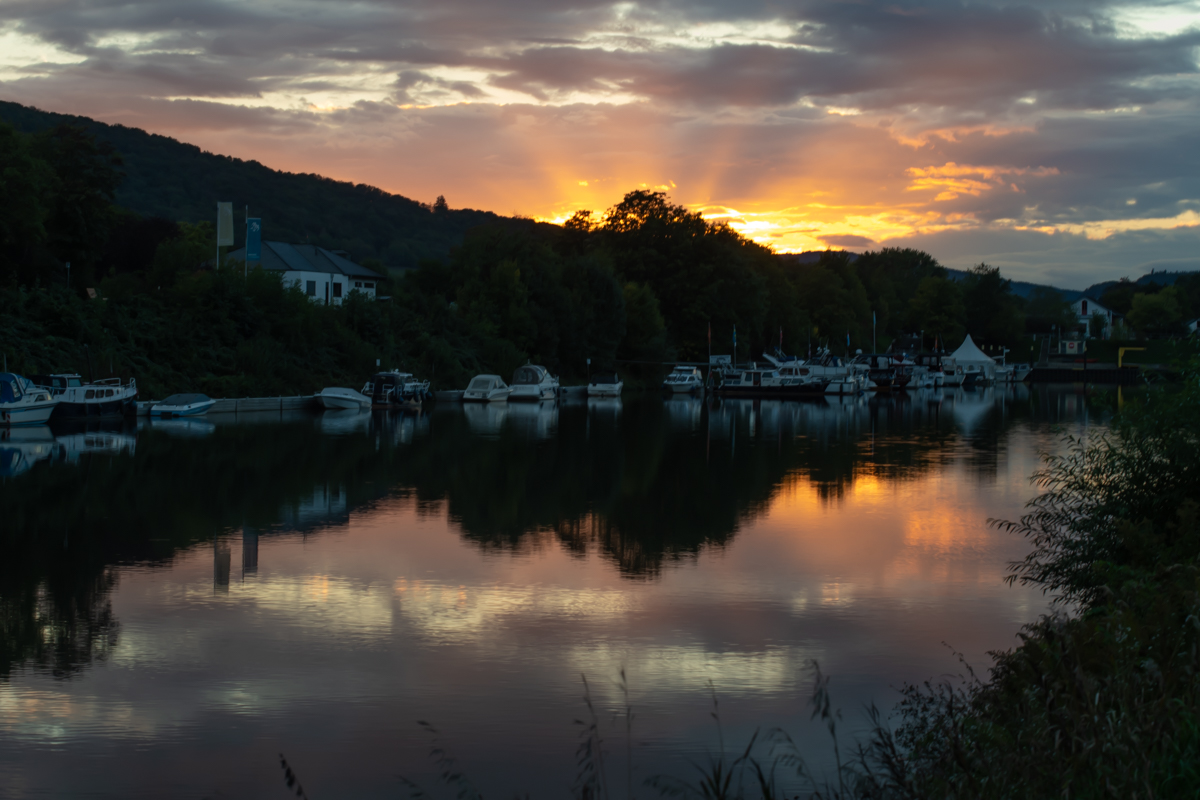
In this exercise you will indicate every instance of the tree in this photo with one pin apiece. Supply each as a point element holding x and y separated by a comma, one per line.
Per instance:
<point>1046,310</point>
<point>891,277</point>
<point>1156,315</point>
<point>992,310</point>
<point>937,309</point>
<point>1097,324</point>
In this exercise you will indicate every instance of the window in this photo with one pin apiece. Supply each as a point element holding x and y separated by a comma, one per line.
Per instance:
<point>90,394</point>
<point>311,289</point>
<point>358,284</point>
<point>369,285</point>
<point>337,289</point>
<point>1083,313</point>
<point>108,392</point>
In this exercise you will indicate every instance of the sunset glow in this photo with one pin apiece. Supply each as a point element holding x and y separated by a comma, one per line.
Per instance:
<point>1017,135</point>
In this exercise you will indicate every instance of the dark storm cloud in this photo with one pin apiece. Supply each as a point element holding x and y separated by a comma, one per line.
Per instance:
<point>951,56</point>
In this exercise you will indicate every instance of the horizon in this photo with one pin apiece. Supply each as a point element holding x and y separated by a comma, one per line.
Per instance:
<point>1058,143</point>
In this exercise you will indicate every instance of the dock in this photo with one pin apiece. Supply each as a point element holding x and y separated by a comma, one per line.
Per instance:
<point>1101,373</point>
<point>235,405</point>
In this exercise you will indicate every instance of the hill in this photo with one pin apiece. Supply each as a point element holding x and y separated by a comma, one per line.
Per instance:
<point>1161,278</point>
<point>168,178</point>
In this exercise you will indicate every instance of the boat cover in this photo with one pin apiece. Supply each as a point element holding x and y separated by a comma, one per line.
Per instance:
<point>528,375</point>
<point>184,399</point>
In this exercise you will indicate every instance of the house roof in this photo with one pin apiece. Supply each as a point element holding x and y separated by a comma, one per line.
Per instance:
<point>969,353</point>
<point>284,257</point>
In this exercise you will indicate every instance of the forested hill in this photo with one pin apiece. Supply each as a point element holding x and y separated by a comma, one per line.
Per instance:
<point>180,182</point>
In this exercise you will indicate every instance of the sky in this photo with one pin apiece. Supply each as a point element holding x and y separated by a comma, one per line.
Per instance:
<point>1059,140</point>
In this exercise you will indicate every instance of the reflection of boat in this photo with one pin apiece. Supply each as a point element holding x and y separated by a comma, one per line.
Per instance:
<point>395,389</point>
<point>103,398</point>
<point>22,403</point>
<point>184,427</point>
<point>604,406</point>
<point>21,448</point>
<point>337,397</point>
<point>537,420</point>
<point>684,379</point>
<point>99,442</point>
<point>183,405</point>
<point>683,411</point>
<point>486,389</point>
<point>532,382</point>
<point>486,418</point>
<point>345,420</point>
<point>605,384</point>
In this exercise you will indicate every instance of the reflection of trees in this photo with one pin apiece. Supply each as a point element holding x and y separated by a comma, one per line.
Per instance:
<point>643,488</point>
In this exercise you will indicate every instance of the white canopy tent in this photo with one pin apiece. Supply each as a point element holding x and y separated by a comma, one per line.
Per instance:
<point>973,360</point>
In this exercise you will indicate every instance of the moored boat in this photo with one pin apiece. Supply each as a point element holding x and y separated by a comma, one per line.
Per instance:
<point>22,403</point>
<point>605,384</point>
<point>106,398</point>
<point>684,379</point>
<point>395,389</point>
<point>486,389</point>
<point>532,382</point>
<point>340,398</point>
<point>764,382</point>
<point>192,404</point>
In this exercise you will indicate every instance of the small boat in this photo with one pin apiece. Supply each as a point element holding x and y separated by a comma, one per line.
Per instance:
<point>605,384</point>
<point>396,389</point>
<point>532,382</point>
<point>107,398</point>
<point>22,403</point>
<point>684,379</point>
<point>486,389</point>
<point>337,397</point>
<point>183,405</point>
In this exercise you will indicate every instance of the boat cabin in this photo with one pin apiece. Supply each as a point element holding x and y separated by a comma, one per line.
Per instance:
<point>529,375</point>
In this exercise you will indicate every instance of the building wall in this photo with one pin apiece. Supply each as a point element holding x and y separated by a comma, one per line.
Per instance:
<point>320,285</point>
<point>1084,308</point>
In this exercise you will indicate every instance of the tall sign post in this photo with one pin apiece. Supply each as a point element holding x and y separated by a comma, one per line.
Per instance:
<point>224,229</point>
<point>253,241</point>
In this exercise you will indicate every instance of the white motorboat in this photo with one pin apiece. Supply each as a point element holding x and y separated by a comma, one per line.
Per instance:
<point>533,383</point>
<point>684,379</point>
<point>605,384</point>
<point>838,377</point>
<point>486,389</point>
<point>183,405</point>
<point>105,398</point>
<point>22,403</point>
<point>340,398</point>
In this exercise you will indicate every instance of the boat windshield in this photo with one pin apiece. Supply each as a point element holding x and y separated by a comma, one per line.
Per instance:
<point>604,378</point>
<point>528,375</point>
<point>481,383</point>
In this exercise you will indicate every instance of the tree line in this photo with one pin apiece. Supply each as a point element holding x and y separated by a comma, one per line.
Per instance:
<point>645,283</point>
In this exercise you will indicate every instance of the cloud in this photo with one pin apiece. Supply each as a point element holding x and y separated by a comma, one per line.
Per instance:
<point>813,123</point>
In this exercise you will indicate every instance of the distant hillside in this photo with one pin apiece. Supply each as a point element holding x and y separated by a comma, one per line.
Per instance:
<point>1024,288</point>
<point>178,181</point>
<point>1161,278</point>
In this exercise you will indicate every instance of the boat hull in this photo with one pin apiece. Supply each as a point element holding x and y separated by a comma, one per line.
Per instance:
<point>605,390</point>
<point>341,401</point>
<point>16,414</point>
<point>532,394</point>
<point>682,388</point>
<point>100,409</point>
<point>491,396</point>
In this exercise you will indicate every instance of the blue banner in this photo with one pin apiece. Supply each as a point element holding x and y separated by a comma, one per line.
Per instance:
<point>254,239</point>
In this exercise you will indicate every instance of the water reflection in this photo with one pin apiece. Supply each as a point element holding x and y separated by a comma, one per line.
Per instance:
<point>380,567</point>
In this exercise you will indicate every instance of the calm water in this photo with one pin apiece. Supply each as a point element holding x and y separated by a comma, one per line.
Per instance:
<point>183,601</point>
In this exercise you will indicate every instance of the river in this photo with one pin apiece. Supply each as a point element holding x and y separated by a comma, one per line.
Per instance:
<point>184,601</point>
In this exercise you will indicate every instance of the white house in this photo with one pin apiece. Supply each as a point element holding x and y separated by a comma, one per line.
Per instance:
<point>326,276</point>
<point>1084,308</point>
